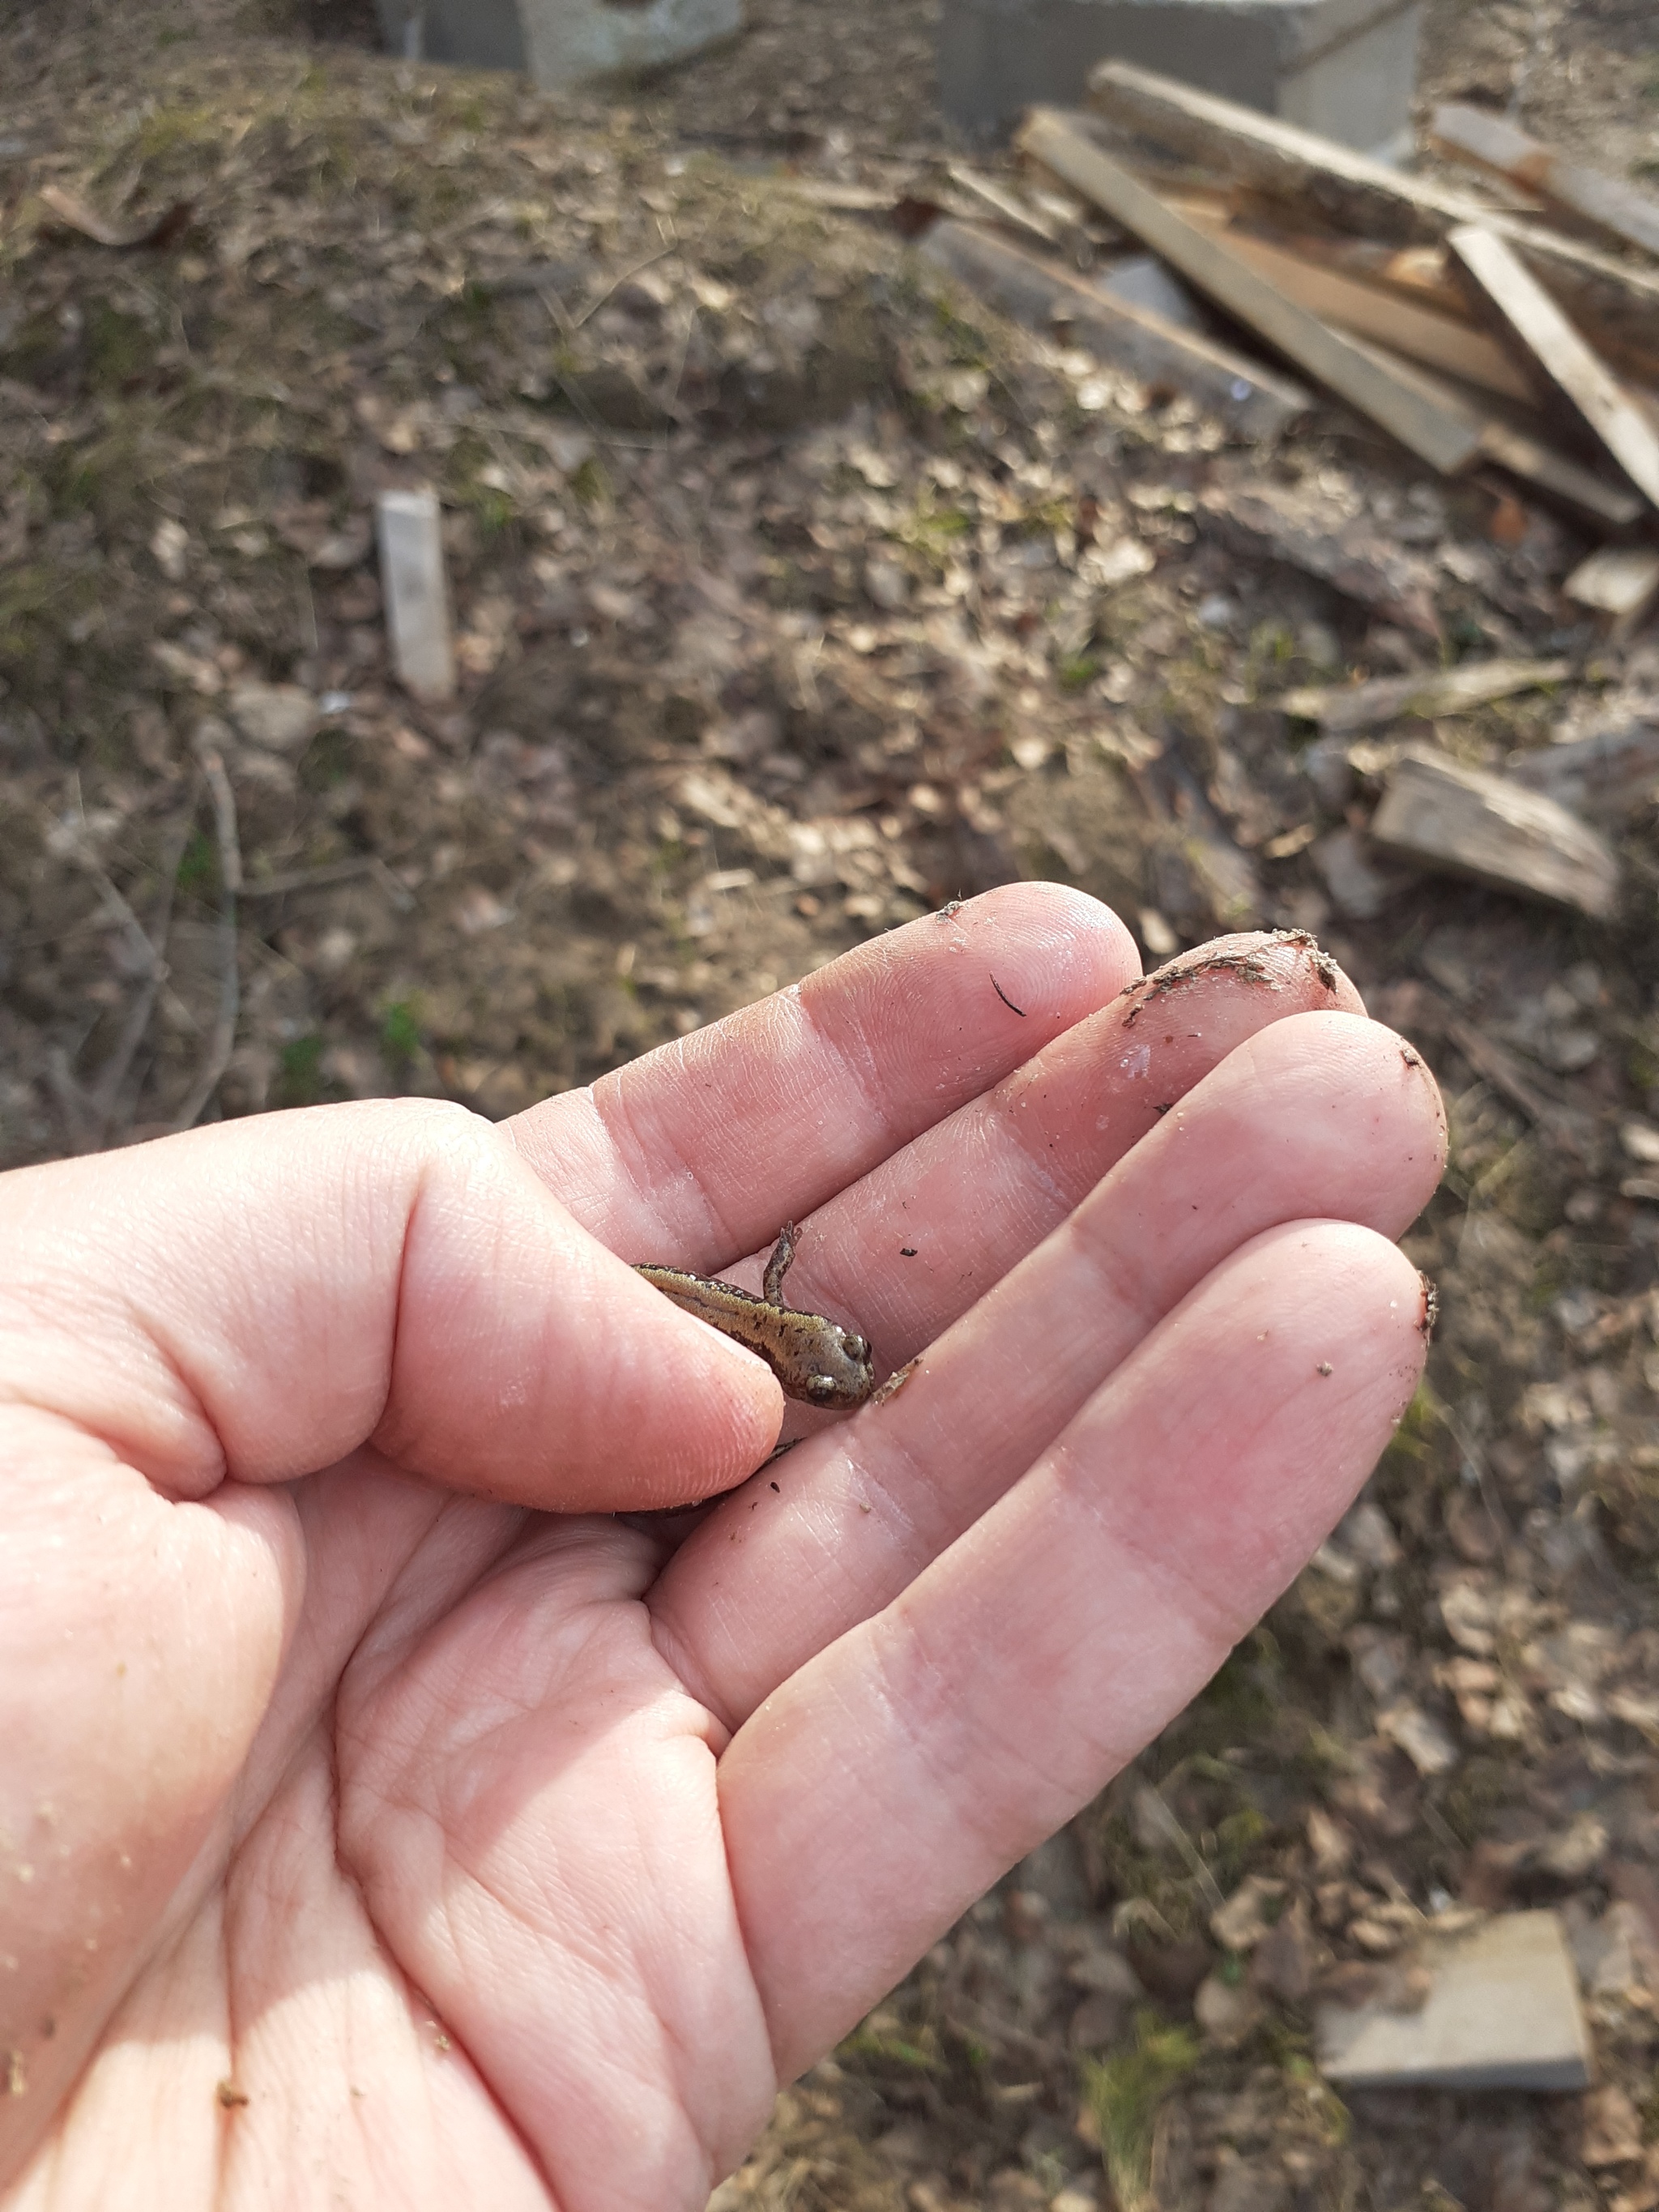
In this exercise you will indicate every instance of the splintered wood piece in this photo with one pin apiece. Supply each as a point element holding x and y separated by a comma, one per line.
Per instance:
<point>1619,582</point>
<point>1493,142</point>
<point>1421,333</point>
<point>1344,708</point>
<point>1256,401</point>
<point>1006,206</point>
<point>1578,373</point>
<point>1357,193</point>
<point>1463,822</point>
<point>1447,443</point>
<point>416,592</point>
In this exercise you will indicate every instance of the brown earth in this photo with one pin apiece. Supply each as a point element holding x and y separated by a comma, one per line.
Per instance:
<point>794,597</point>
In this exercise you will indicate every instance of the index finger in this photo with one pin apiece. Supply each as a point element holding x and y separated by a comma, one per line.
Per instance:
<point>699,1151</point>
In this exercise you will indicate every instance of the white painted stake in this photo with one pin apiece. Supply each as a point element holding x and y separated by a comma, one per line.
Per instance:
<point>417,594</point>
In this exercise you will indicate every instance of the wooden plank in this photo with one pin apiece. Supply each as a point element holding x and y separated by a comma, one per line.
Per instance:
<point>1342,709</point>
<point>1256,401</point>
<point>1557,476</point>
<point>1580,374</point>
<point>1523,448</point>
<point>1493,142</point>
<point>1354,192</point>
<point>1460,821</point>
<point>1419,332</point>
<point>1445,441</point>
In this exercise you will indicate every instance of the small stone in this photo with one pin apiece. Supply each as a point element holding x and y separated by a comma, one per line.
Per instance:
<point>281,717</point>
<point>1575,1856</point>
<point>1359,891</point>
<point>1640,1140</point>
<point>1244,1919</point>
<point>170,545</point>
<point>1502,2011</point>
<point>1375,1937</point>
<point>1330,1843</point>
<point>1379,1660</point>
<point>1097,2022</point>
<point>886,583</point>
<point>1246,2184</point>
<point>1367,1531</point>
<point>1421,1737</point>
<point>1225,2011</point>
<point>1473,1531</point>
<point>1283,1961</point>
<point>1606,1951</point>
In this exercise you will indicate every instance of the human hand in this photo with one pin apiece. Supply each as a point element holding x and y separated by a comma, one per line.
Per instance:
<point>380,1818</point>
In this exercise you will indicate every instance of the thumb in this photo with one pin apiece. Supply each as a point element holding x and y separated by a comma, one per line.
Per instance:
<point>258,1299</point>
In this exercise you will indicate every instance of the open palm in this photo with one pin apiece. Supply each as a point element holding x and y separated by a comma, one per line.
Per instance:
<point>383,1820</point>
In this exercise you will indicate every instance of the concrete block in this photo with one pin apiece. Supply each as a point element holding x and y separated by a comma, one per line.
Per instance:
<point>558,41</point>
<point>1502,2013</point>
<point>1347,68</point>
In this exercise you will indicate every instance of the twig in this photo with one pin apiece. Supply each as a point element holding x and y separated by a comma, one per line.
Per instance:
<point>334,872</point>
<point>88,1109</point>
<point>107,1091</point>
<point>670,406</point>
<point>574,394</point>
<point>1165,1819</point>
<point>1496,1066</point>
<point>223,1041</point>
<point>621,278</point>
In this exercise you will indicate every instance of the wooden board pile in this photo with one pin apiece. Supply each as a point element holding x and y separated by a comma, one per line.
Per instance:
<point>1509,327</point>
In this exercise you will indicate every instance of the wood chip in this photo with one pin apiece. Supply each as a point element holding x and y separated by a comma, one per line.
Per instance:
<point>1571,364</point>
<point>1463,822</point>
<point>1446,442</point>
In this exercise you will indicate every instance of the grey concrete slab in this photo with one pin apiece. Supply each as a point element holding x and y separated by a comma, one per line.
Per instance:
<point>1348,68</point>
<point>558,41</point>
<point>1502,2013</point>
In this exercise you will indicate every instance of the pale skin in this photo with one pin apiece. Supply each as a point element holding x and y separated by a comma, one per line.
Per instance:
<point>382,1822</point>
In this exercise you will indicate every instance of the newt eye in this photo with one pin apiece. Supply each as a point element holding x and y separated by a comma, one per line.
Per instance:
<point>857,1348</point>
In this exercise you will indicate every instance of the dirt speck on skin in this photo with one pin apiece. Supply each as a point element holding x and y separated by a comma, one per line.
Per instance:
<point>798,597</point>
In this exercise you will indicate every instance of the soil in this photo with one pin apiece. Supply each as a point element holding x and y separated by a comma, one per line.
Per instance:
<point>796,595</point>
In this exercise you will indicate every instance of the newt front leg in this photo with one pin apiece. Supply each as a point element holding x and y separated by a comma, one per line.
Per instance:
<point>814,1358</point>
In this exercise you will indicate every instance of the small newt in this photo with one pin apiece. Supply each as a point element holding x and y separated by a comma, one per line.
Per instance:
<point>814,1358</point>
